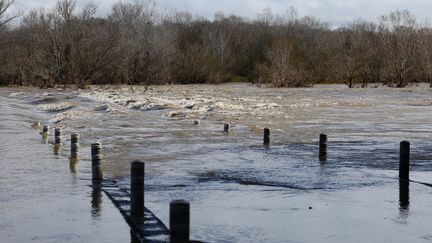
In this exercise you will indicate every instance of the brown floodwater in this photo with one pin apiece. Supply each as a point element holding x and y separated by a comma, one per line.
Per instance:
<point>41,198</point>
<point>240,191</point>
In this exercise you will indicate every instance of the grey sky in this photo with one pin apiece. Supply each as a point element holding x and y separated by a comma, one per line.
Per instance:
<point>335,12</point>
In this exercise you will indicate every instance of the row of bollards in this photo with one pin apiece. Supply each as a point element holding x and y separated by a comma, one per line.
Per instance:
<point>96,147</point>
<point>266,140</point>
<point>322,144</point>
<point>179,209</point>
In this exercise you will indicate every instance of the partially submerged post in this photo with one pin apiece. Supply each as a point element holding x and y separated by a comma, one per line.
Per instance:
<point>45,133</point>
<point>96,161</point>
<point>266,136</point>
<point>179,221</point>
<point>57,140</point>
<point>45,130</point>
<point>323,147</point>
<point>404,160</point>
<point>226,128</point>
<point>137,188</point>
<point>404,198</point>
<point>74,146</point>
<point>58,135</point>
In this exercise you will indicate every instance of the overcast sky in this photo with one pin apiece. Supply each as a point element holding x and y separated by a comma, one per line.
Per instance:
<point>336,12</point>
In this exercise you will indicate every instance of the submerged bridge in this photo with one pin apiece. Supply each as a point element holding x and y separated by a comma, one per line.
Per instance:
<point>145,226</point>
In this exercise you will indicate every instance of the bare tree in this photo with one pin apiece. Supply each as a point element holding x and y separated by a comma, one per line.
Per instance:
<point>279,68</point>
<point>398,33</point>
<point>4,6</point>
<point>137,44</point>
<point>425,52</point>
<point>136,22</point>
<point>353,48</point>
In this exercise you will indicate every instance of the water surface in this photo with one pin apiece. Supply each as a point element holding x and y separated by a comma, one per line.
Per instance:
<point>242,192</point>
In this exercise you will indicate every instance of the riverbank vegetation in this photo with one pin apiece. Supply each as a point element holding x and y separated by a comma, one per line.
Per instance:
<point>138,44</point>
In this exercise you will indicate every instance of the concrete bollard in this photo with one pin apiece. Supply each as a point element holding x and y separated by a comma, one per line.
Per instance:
<point>226,128</point>
<point>266,136</point>
<point>323,147</point>
<point>179,221</point>
<point>404,160</point>
<point>74,146</point>
<point>96,161</point>
<point>137,188</point>
<point>75,138</point>
<point>58,135</point>
<point>45,129</point>
<point>45,134</point>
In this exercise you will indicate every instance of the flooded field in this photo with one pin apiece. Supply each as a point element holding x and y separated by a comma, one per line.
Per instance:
<point>240,191</point>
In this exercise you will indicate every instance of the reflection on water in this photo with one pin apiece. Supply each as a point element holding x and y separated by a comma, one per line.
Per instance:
<point>45,138</point>
<point>96,200</point>
<point>72,165</point>
<point>57,150</point>
<point>404,197</point>
<point>134,237</point>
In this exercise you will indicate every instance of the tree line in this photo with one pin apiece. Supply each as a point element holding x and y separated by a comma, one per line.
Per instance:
<point>138,44</point>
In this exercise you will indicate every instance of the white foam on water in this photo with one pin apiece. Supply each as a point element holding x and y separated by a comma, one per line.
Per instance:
<point>56,107</point>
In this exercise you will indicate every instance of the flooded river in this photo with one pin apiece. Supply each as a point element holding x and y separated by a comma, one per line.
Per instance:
<point>240,191</point>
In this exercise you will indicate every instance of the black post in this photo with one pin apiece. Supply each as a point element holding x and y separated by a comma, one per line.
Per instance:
<point>266,136</point>
<point>45,129</point>
<point>226,128</point>
<point>179,221</point>
<point>137,188</point>
<point>404,160</point>
<point>323,147</point>
<point>404,198</point>
<point>96,161</point>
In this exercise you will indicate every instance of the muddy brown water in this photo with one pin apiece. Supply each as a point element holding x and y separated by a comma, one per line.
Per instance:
<point>41,198</point>
<point>238,190</point>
